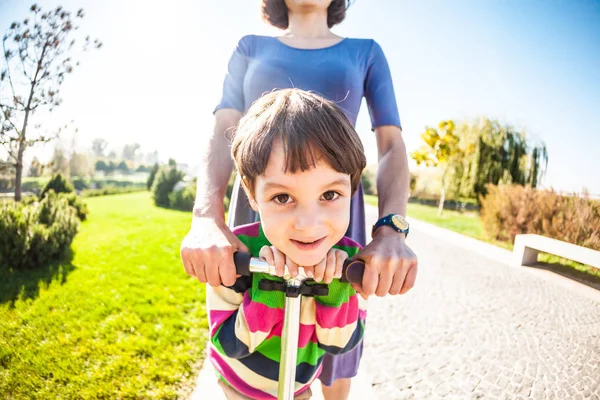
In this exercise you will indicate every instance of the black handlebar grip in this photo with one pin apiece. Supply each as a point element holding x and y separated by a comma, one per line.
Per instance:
<point>353,271</point>
<point>242,262</point>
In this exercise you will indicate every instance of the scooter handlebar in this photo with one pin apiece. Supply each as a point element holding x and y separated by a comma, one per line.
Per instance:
<point>245,264</point>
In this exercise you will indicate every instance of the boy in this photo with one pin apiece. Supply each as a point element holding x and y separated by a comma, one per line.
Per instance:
<point>300,161</point>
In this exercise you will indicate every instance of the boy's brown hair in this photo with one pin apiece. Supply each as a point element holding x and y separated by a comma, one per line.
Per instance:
<point>310,128</point>
<point>275,12</point>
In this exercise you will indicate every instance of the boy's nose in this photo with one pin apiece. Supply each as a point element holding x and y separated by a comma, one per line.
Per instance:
<point>307,218</point>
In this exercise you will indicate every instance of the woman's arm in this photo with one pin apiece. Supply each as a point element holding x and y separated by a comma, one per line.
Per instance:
<point>216,166</point>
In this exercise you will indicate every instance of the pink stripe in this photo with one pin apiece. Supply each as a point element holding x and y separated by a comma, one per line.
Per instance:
<point>348,242</point>
<point>260,317</point>
<point>232,378</point>
<point>241,386</point>
<point>362,314</point>
<point>337,317</point>
<point>216,319</point>
<point>308,334</point>
<point>248,229</point>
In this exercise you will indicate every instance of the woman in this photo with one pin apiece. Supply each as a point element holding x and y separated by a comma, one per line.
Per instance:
<point>307,56</point>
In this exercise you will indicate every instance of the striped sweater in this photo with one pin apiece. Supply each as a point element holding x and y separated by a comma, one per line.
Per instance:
<point>246,325</point>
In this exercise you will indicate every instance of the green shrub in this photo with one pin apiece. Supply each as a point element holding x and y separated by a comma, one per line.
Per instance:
<point>59,184</point>
<point>64,189</point>
<point>7,184</point>
<point>110,190</point>
<point>183,199</point>
<point>166,179</point>
<point>151,176</point>
<point>102,183</point>
<point>33,186</point>
<point>80,184</point>
<point>509,210</point>
<point>36,233</point>
<point>77,203</point>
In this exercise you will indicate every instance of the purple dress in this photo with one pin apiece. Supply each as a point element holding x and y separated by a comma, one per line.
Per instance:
<point>344,73</point>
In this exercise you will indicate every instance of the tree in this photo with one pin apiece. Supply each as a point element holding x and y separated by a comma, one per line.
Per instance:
<point>111,167</point>
<point>37,60</point>
<point>151,176</point>
<point>123,167</point>
<point>98,147</point>
<point>6,168</point>
<point>152,158</point>
<point>101,166</point>
<point>439,150</point>
<point>36,168</point>
<point>112,155</point>
<point>79,165</point>
<point>501,155</point>
<point>129,151</point>
<point>59,162</point>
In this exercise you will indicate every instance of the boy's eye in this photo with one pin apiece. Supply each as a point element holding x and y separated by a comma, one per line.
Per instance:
<point>282,198</point>
<point>330,195</point>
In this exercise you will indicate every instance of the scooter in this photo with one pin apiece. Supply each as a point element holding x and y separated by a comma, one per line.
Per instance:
<point>294,288</point>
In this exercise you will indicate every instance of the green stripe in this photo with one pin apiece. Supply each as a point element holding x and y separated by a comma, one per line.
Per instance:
<point>270,299</point>
<point>350,250</point>
<point>254,243</point>
<point>271,348</point>
<point>339,293</point>
<point>215,340</point>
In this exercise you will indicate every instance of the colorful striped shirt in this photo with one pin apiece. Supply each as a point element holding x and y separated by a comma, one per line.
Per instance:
<point>246,324</point>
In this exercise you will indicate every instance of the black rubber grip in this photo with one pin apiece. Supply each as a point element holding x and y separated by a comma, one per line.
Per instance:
<point>242,263</point>
<point>353,271</point>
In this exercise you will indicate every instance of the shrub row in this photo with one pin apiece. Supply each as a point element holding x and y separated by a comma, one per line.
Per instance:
<point>7,185</point>
<point>110,190</point>
<point>510,210</point>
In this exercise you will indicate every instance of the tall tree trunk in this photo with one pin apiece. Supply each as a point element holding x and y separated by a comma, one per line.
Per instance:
<point>22,144</point>
<point>442,194</point>
<point>442,199</point>
<point>19,172</point>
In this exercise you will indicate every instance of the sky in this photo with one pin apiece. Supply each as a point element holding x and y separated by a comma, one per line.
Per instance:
<point>532,64</point>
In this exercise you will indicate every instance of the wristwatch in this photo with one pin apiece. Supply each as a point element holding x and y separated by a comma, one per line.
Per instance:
<point>395,221</point>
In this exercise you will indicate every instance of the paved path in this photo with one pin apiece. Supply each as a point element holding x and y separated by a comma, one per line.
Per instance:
<point>475,327</point>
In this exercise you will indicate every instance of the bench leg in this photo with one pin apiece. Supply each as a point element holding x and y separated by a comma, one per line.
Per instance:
<point>523,255</point>
<point>529,256</point>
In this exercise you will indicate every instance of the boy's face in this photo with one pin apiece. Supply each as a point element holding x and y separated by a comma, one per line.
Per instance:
<point>303,214</point>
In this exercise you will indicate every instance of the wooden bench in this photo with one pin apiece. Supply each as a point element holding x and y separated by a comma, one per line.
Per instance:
<point>528,246</point>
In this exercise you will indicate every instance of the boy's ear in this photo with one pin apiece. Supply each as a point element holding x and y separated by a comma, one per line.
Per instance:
<point>251,199</point>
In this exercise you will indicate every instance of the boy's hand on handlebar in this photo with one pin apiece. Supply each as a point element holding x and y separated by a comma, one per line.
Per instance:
<point>330,267</point>
<point>207,252</point>
<point>272,256</point>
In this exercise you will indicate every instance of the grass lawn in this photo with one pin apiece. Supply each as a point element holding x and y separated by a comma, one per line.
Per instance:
<point>469,224</point>
<point>118,318</point>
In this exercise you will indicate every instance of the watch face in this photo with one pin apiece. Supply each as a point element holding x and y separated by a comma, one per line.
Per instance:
<point>399,222</point>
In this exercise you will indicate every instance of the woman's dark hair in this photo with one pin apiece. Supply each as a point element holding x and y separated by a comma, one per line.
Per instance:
<point>275,12</point>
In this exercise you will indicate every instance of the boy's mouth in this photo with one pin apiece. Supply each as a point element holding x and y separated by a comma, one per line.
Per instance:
<point>307,245</point>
